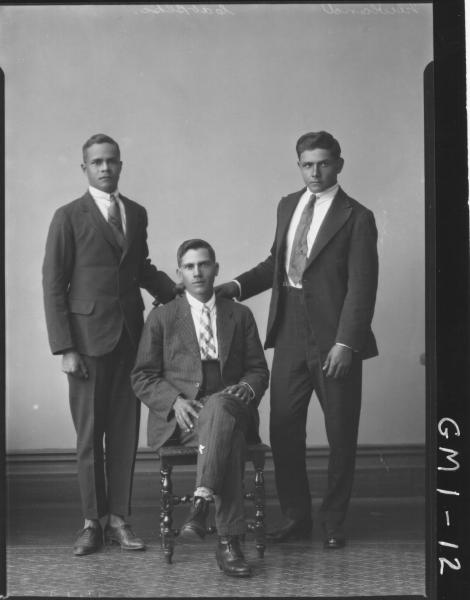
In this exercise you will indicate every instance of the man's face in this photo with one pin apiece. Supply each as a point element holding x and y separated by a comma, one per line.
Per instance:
<point>102,167</point>
<point>319,169</point>
<point>197,272</point>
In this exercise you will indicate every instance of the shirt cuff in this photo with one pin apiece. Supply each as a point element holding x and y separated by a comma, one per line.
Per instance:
<point>239,287</point>
<point>178,396</point>
<point>252,392</point>
<point>344,346</point>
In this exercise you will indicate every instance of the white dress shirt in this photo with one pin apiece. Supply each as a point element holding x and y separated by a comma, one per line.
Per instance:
<point>103,202</point>
<point>196,312</point>
<point>322,204</point>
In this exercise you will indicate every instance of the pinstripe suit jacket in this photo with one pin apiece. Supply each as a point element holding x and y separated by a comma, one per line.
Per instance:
<point>168,361</point>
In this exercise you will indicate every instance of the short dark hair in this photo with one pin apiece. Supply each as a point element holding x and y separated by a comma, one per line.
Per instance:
<point>318,139</point>
<point>194,244</point>
<point>99,138</point>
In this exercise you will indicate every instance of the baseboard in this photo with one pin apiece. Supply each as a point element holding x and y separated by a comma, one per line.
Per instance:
<point>381,471</point>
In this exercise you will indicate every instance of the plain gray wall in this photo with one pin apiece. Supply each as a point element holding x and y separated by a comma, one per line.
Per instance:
<point>207,106</point>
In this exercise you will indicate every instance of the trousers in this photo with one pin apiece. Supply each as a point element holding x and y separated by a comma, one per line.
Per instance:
<point>296,374</point>
<point>220,434</point>
<point>106,417</point>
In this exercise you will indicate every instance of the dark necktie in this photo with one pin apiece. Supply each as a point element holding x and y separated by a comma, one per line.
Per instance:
<point>114,219</point>
<point>299,252</point>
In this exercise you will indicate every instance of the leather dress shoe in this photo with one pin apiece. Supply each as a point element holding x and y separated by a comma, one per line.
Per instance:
<point>230,557</point>
<point>334,542</point>
<point>89,540</point>
<point>196,523</point>
<point>293,530</point>
<point>123,536</point>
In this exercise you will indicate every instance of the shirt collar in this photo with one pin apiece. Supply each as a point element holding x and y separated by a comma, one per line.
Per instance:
<point>325,195</point>
<point>197,304</point>
<point>100,195</point>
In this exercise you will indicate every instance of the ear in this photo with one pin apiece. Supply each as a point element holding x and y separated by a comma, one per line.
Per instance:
<point>340,165</point>
<point>216,271</point>
<point>83,165</point>
<point>179,275</point>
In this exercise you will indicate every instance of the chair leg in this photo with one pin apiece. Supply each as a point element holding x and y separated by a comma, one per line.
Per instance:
<point>260,498</point>
<point>166,515</point>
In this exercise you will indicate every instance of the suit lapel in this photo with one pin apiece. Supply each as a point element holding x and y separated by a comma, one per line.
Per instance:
<point>96,219</point>
<point>186,329</point>
<point>284,221</point>
<point>225,329</point>
<point>131,223</point>
<point>337,215</point>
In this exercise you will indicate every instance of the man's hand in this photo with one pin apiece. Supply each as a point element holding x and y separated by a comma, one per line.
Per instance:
<point>185,412</point>
<point>240,391</point>
<point>73,364</point>
<point>338,362</point>
<point>227,290</point>
<point>179,288</point>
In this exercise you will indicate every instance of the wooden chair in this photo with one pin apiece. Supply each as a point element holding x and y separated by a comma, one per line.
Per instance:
<point>171,456</point>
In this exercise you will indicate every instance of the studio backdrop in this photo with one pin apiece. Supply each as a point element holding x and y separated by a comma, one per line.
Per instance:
<point>207,103</point>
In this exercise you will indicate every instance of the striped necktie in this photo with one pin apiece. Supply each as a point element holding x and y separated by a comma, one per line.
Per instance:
<point>115,221</point>
<point>206,335</point>
<point>299,252</point>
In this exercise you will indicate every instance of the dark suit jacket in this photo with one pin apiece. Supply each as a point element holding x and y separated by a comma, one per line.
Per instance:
<point>340,278</point>
<point>91,288</point>
<point>168,361</point>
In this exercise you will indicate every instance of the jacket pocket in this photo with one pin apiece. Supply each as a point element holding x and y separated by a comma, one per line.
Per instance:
<point>81,307</point>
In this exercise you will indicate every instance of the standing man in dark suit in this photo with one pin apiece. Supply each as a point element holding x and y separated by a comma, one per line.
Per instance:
<point>323,271</point>
<point>201,371</point>
<point>95,262</point>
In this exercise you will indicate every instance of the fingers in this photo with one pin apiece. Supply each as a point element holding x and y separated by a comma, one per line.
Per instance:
<point>337,370</point>
<point>226,290</point>
<point>192,414</point>
<point>184,421</point>
<point>83,371</point>
<point>332,367</point>
<point>334,370</point>
<point>79,370</point>
<point>240,391</point>
<point>338,373</point>
<point>219,291</point>
<point>338,362</point>
<point>186,414</point>
<point>328,366</point>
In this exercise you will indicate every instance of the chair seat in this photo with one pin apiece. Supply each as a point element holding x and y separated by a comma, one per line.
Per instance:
<point>188,451</point>
<point>187,455</point>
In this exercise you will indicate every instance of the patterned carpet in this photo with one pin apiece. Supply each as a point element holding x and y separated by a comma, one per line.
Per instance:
<point>384,556</point>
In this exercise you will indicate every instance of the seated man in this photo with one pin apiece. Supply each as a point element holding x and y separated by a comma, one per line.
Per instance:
<point>201,370</point>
